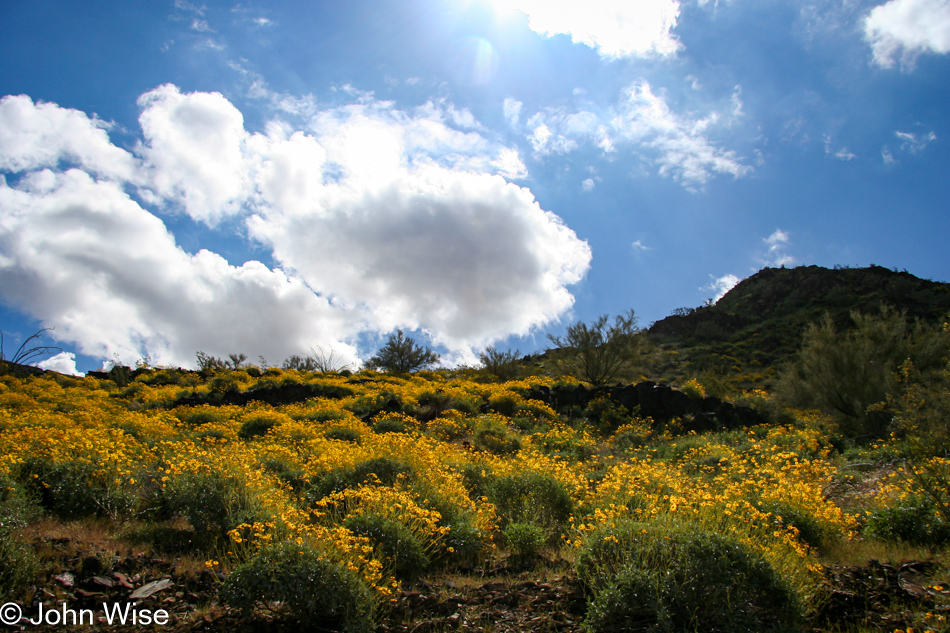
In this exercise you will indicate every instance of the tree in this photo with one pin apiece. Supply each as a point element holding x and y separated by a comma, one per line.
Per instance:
<point>25,354</point>
<point>845,373</point>
<point>317,360</point>
<point>401,354</point>
<point>599,353</point>
<point>502,365</point>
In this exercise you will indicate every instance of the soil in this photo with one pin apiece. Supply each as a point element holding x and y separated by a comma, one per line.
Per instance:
<point>876,596</point>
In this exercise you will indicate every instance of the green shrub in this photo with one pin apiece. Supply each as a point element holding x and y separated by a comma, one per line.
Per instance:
<point>203,415</point>
<point>390,425</point>
<point>530,497</point>
<point>810,530</point>
<point>493,436</point>
<point>464,543</point>
<point>213,502</point>
<point>606,415</point>
<point>343,434</point>
<point>393,542</point>
<point>654,577</point>
<point>525,541</point>
<point>258,423</point>
<point>320,593</point>
<point>383,470</point>
<point>914,521</point>
<point>71,490</point>
<point>18,564</point>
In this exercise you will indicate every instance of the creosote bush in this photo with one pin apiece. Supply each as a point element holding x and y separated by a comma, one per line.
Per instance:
<point>395,542</point>
<point>319,592</point>
<point>525,541</point>
<point>656,577</point>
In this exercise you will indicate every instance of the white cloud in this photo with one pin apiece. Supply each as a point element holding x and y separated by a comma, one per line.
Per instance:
<point>512,110</point>
<point>721,286</point>
<point>639,246</point>
<point>43,134</point>
<point>842,153</point>
<point>643,121</point>
<point>777,242</point>
<point>913,143</point>
<point>901,30</point>
<point>196,148</point>
<point>588,184</point>
<point>615,28</point>
<point>82,256</point>
<point>64,363</point>
<point>201,26</point>
<point>679,143</point>
<point>887,156</point>
<point>380,218</point>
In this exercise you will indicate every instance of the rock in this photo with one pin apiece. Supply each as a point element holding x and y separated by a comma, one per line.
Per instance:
<point>146,591</point>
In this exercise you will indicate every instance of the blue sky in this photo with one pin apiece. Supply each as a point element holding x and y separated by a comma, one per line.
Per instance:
<point>271,178</point>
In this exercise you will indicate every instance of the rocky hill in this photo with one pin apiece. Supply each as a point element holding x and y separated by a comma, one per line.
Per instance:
<point>757,326</point>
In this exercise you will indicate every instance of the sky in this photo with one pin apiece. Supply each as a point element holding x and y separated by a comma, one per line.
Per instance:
<point>278,178</point>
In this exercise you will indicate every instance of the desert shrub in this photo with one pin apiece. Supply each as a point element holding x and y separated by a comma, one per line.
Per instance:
<point>213,502</point>
<point>565,442</point>
<point>531,497</point>
<point>810,530</point>
<point>258,423</point>
<point>320,593</point>
<point>504,403</point>
<point>389,424</point>
<point>382,470</point>
<point>606,415</point>
<point>494,436</point>
<point>401,354</point>
<point>913,521</point>
<point>666,577</point>
<point>434,403</point>
<point>290,475</point>
<point>464,543</point>
<point>74,489</point>
<point>343,434</point>
<point>202,415</point>
<point>18,564</point>
<point>393,542</point>
<point>371,405</point>
<point>525,541</point>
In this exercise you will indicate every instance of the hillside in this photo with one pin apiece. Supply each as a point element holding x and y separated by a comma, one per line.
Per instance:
<point>757,326</point>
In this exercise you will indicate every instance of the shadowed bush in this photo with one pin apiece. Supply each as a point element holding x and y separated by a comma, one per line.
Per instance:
<point>652,577</point>
<point>319,593</point>
<point>395,542</point>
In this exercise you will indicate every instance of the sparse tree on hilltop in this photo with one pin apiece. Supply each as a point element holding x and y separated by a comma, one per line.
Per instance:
<point>599,353</point>
<point>401,354</point>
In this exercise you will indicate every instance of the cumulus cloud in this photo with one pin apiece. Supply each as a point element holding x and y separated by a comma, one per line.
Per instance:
<point>83,256</point>
<point>196,150</point>
<point>379,218</point>
<point>901,30</point>
<point>35,135</point>
<point>614,28</point>
<point>64,363</point>
<point>721,285</point>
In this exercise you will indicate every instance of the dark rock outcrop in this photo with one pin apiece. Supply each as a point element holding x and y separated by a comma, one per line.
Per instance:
<point>657,401</point>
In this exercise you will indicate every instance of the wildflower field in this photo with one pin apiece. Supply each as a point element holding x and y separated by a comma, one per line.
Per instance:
<point>328,499</point>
